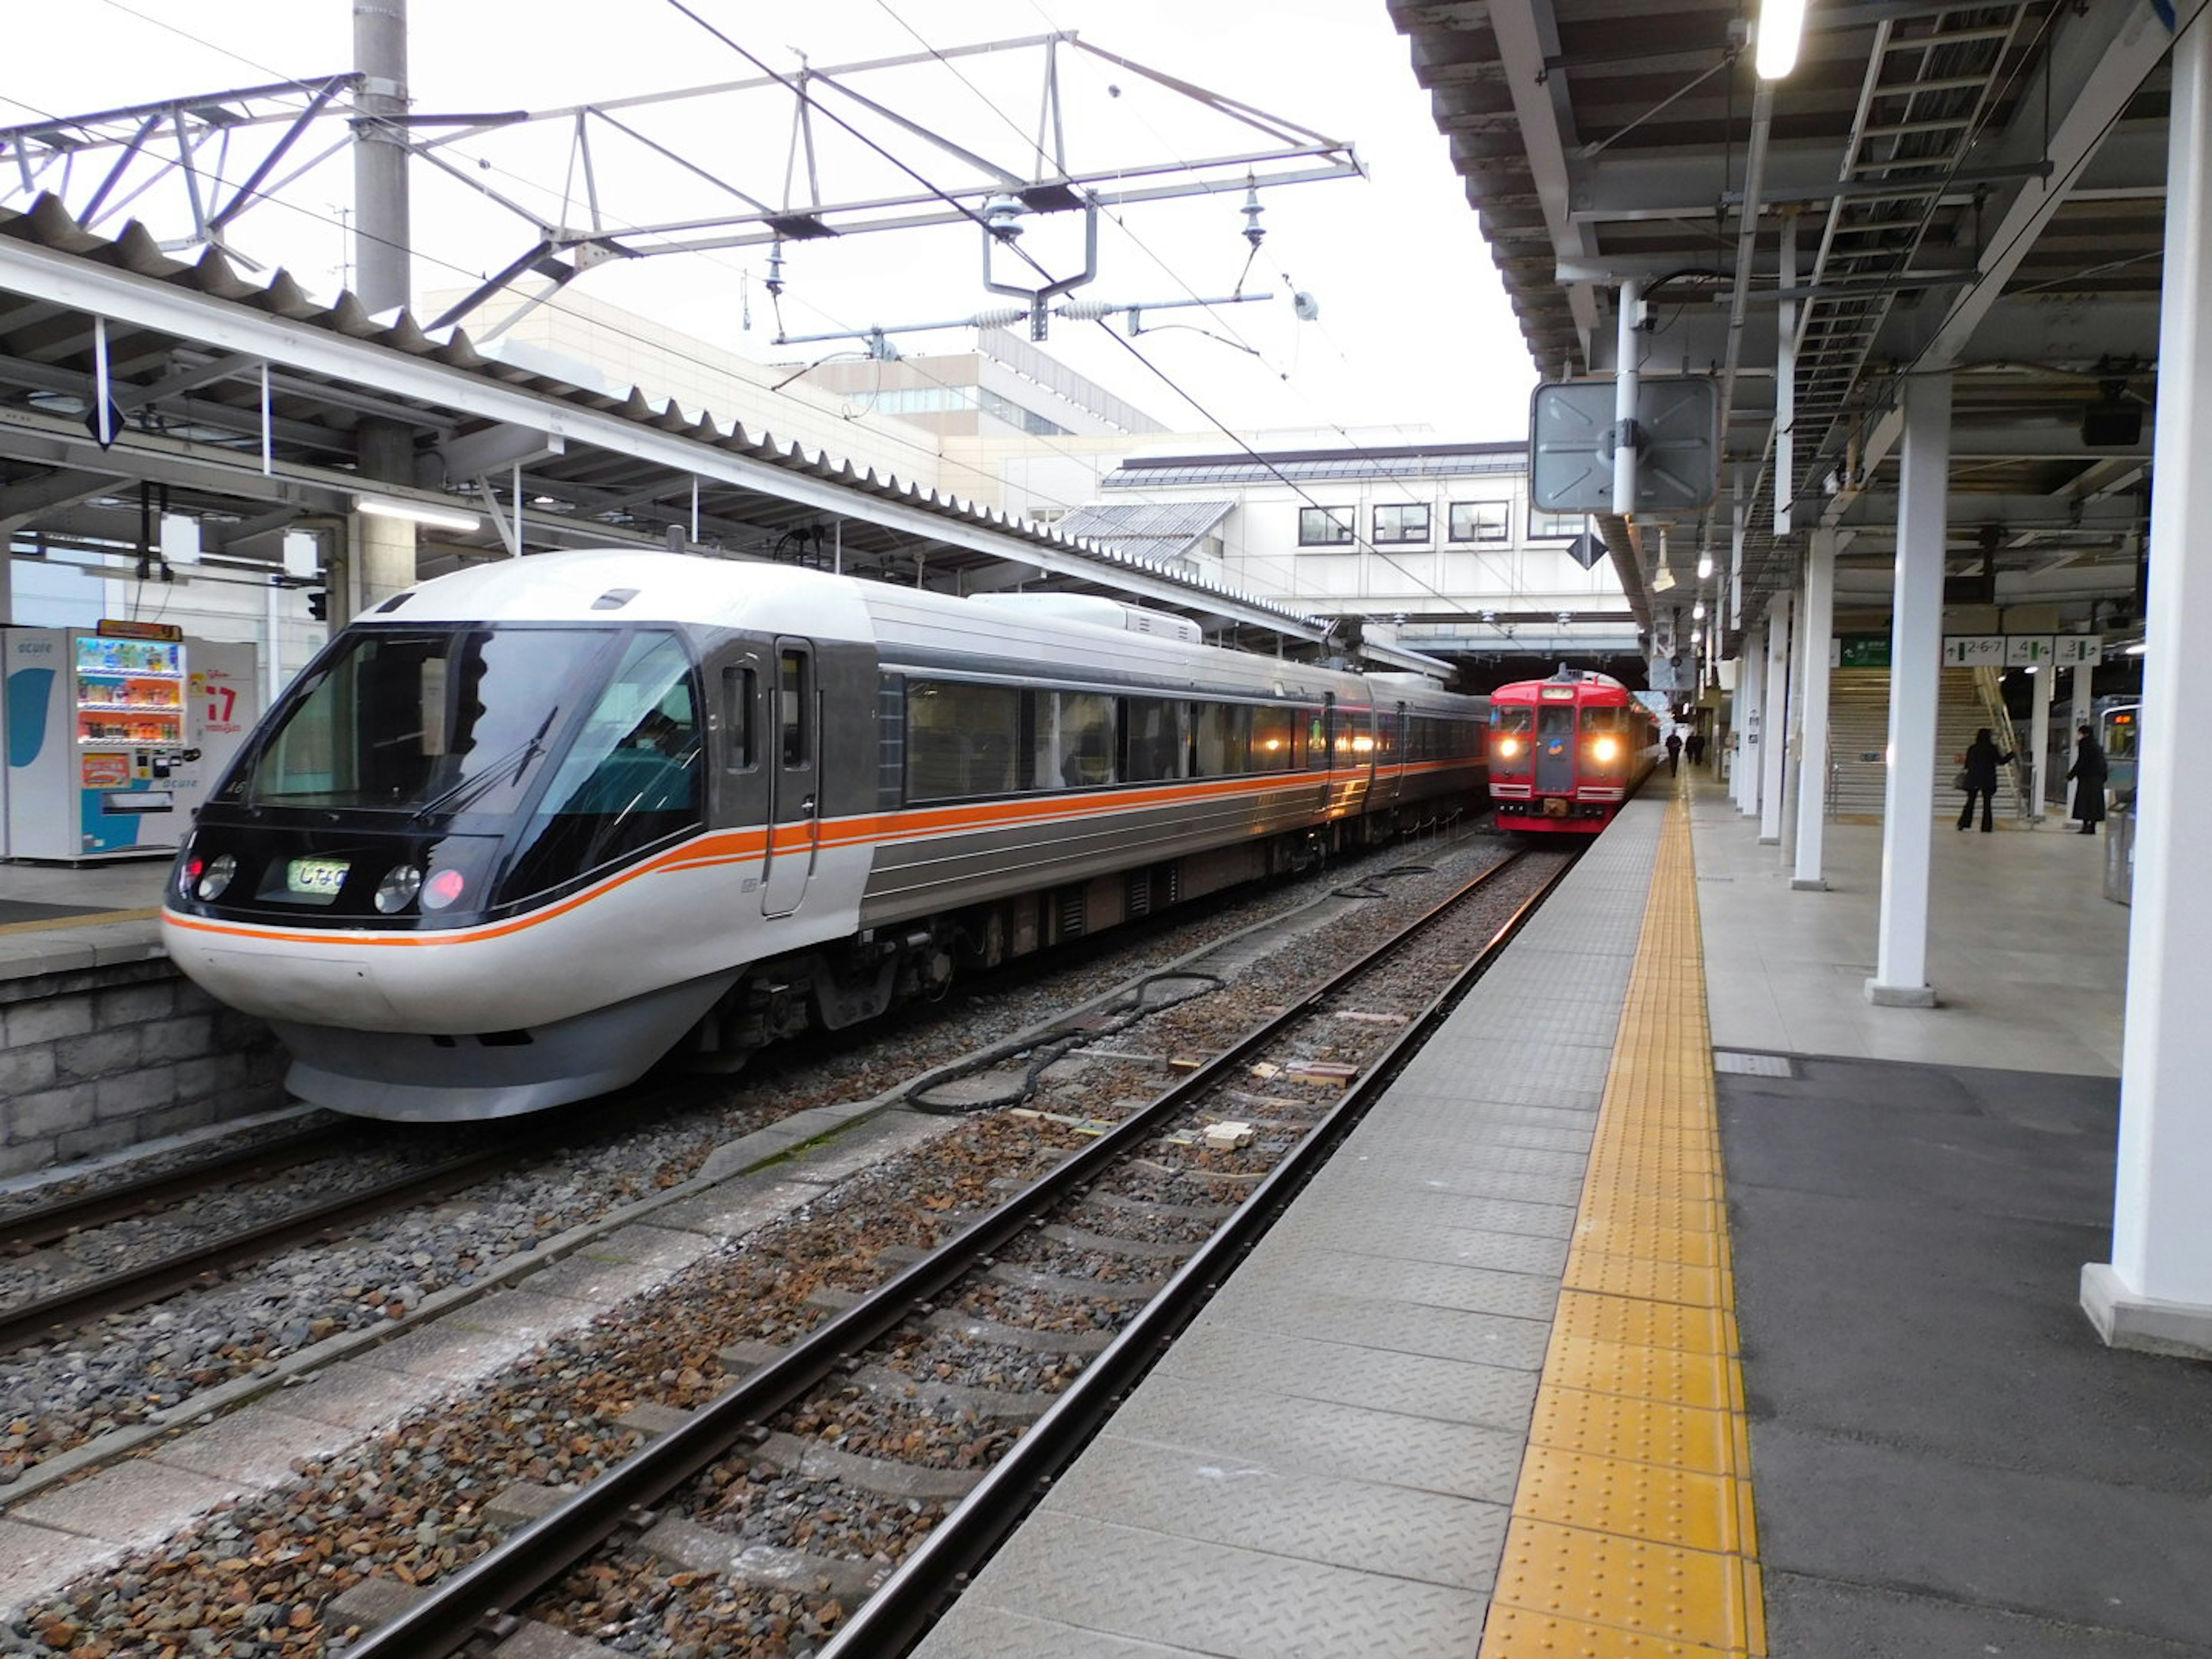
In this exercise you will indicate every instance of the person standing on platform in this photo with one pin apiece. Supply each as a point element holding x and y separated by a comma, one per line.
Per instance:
<point>2088,772</point>
<point>1674,753</point>
<point>1977,771</point>
<point>1695,748</point>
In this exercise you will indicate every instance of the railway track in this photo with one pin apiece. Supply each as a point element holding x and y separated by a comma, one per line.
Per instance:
<point>486,1601</point>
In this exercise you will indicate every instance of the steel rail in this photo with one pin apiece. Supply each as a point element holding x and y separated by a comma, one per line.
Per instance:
<point>32,1228</point>
<point>55,1315</point>
<point>476,1606</point>
<point>911,1599</point>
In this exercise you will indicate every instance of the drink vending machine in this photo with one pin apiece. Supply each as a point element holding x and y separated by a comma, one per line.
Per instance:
<point>115,734</point>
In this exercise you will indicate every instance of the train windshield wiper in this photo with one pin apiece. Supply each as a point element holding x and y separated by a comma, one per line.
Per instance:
<point>460,792</point>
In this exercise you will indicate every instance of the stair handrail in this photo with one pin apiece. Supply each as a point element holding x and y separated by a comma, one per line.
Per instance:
<point>1989,685</point>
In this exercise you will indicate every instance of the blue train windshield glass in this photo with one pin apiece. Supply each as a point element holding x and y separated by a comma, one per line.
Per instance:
<point>445,722</point>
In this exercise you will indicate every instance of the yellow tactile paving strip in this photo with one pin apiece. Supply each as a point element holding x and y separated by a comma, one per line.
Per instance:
<point>1632,1531</point>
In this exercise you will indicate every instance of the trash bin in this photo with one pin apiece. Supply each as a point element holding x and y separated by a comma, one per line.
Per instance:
<point>2120,855</point>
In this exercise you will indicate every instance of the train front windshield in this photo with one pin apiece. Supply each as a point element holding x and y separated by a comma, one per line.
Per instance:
<point>527,759</point>
<point>415,722</point>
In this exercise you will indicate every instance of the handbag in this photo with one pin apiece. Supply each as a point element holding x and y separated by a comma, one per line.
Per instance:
<point>1962,783</point>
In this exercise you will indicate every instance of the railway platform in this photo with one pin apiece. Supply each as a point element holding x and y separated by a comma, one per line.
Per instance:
<point>1677,1301</point>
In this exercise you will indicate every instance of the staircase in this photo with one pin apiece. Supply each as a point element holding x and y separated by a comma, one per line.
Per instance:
<point>1858,733</point>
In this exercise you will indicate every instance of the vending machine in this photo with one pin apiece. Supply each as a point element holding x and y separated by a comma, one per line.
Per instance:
<point>102,761</point>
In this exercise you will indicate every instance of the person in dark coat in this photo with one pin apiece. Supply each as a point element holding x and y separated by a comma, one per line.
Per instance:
<point>2088,772</point>
<point>1979,766</point>
<point>1693,747</point>
<point>1674,753</point>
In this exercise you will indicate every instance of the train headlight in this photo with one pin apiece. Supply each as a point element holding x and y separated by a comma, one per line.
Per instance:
<point>442,889</point>
<point>1606,749</point>
<point>1508,748</point>
<point>397,889</point>
<point>216,876</point>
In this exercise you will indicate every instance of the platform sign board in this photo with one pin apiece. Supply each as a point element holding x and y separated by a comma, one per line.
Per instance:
<point>1974,650</point>
<point>1571,445</point>
<point>1862,651</point>
<point>2078,650</point>
<point>2027,650</point>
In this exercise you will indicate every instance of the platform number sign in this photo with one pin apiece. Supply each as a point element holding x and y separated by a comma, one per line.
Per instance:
<point>2078,650</point>
<point>2027,650</point>
<point>1974,650</point>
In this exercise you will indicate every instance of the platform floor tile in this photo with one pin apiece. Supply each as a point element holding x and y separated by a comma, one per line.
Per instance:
<point>1315,1437</point>
<point>1638,1430</point>
<point>975,1631</point>
<point>1399,1278</point>
<point>1234,1360</point>
<point>1401,1328</point>
<point>1397,1531</point>
<point>1430,1202</point>
<point>1465,1247</point>
<point>1212,1599</point>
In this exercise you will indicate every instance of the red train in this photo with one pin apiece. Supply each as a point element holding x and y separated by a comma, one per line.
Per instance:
<point>1565,753</point>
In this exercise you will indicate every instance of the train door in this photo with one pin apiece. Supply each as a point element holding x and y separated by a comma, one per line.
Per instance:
<point>794,822</point>
<point>742,779</point>
<point>1555,749</point>
<point>1391,754</point>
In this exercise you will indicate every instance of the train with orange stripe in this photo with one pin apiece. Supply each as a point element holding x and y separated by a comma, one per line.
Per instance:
<point>1565,753</point>
<point>522,832</point>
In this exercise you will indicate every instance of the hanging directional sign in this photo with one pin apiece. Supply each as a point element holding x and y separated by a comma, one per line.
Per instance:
<point>104,422</point>
<point>1586,550</point>
<point>1572,435</point>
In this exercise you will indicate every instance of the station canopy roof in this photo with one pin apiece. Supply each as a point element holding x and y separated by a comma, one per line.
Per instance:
<point>1971,188</point>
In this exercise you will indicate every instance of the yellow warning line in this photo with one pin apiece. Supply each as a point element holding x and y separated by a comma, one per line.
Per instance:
<point>1632,1531</point>
<point>95,919</point>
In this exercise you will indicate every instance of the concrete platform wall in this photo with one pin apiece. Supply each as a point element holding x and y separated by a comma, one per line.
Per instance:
<point>96,1059</point>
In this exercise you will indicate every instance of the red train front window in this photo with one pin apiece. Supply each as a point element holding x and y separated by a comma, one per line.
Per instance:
<point>1510,731</point>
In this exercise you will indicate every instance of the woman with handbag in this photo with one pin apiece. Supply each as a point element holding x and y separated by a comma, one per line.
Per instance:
<point>1977,775</point>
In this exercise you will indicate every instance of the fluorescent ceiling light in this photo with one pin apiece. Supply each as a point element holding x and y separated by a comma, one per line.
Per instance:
<point>438,518</point>
<point>1704,566</point>
<point>1781,28</point>
<point>2136,649</point>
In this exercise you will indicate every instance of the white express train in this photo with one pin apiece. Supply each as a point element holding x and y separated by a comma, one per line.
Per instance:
<point>522,832</point>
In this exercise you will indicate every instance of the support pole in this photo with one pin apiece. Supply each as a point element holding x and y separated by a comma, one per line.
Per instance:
<point>381,280</point>
<point>2156,1292</point>
<point>2046,682</point>
<point>1750,668</point>
<point>1814,626</point>
<point>1626,344</point>
<point>1774,722</point>
<point>1916,649</point>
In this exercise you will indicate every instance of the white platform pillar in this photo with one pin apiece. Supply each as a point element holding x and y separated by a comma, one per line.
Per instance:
<point>1750,675</point>
<point>2038,743</point>
<point>2081,713</point>
<point>1916,650</point>
<point>1815,623</point>
<point>1774,720</point>
<point>2156,1292</point>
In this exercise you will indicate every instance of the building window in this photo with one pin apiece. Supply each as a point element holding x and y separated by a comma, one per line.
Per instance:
<point>1553,526</point>
<point>1324,526</point>
<point>1482,521</point>
<point>1402,522</point>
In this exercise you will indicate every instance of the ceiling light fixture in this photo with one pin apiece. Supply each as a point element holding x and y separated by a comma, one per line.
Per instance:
<point>438,518</point>
<point>1780,29</point>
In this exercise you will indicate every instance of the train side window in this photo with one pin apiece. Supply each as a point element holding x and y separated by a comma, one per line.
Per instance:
<point>1315,724</point>
<point>1274,739</point>
<point>1075,740</point>
<point>1153,731</point>
<point>1223,739</point>
<point>739,686</point>
<point>794,690</point>
<point>961,740</point>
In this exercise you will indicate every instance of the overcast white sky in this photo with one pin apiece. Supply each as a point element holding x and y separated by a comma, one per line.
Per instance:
<point>1414,330</point>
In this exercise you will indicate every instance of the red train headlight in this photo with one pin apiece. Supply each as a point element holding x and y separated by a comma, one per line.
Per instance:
<point>1606,749</point>
<point>1508,748</point>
